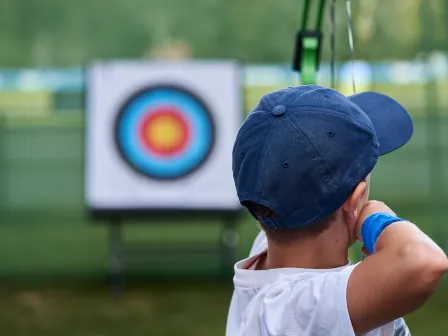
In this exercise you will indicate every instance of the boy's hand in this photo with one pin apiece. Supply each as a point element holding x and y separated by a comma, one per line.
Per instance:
<point>401,275</point>
<point>370,208</point>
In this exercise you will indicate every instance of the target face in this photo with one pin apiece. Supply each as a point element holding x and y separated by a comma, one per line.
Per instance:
<point>164,132</point>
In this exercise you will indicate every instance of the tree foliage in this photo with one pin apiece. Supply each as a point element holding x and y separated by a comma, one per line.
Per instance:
<point>72,33</point>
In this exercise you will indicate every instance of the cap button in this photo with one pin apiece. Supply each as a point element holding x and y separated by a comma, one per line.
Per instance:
<point>278,110</point>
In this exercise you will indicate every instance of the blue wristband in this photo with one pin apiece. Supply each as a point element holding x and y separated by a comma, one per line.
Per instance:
<point>373,226</point>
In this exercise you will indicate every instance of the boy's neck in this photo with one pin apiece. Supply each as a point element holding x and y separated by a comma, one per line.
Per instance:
<point>328,250</point>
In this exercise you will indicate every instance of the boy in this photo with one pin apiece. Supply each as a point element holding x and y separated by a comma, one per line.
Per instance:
<point>301,165</point>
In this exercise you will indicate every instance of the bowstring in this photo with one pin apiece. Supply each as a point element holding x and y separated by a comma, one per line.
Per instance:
<point>332,42</point>
<point>352,56</point>
<point>350,41</point>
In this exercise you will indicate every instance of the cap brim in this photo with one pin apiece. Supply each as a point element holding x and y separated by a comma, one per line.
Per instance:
<point>393,124</point>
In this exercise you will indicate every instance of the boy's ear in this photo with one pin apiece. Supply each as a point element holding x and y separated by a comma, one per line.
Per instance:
<point>353,205</point>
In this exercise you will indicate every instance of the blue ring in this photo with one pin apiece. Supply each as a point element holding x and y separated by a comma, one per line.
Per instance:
<point>133,114</point>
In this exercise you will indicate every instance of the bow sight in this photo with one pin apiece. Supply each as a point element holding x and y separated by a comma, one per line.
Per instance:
<point>308,45</point>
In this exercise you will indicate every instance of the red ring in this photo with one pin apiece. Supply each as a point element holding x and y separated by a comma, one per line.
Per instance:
<point>156,149</point>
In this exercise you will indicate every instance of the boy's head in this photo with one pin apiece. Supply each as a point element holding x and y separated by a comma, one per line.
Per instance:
<point>302,158</point>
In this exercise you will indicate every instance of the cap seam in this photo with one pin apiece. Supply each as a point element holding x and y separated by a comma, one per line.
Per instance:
<point>300,93</point>
<point>263,156</point>
<point>288,97</point>
<point>340,114</point>
<point>271,102</point>
<point>252,115</point>
<point>322,166</point>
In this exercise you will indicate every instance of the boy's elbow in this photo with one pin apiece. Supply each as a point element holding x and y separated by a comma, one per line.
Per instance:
<point>428,265</point>
<point>435,271</point>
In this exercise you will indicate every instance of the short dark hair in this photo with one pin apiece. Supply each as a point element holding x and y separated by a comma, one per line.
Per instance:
<point>285,236</point>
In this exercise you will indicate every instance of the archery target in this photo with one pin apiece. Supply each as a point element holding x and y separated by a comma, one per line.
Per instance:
<point>159,136</point>
<point>165,132</point>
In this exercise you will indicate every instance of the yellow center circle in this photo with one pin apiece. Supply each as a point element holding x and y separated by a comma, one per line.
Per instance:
<point>165,132</point>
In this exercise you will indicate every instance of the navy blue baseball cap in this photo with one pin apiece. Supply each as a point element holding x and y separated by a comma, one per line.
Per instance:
<point>303,150</point>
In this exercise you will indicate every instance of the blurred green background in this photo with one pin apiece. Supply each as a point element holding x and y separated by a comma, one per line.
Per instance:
<point>53,258</point>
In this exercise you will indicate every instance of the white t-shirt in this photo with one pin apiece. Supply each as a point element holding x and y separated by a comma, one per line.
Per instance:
<point>291,301</point>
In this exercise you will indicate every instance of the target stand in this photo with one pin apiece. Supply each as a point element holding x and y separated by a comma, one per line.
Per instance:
<point>159,139</point>
<point>120,252</point>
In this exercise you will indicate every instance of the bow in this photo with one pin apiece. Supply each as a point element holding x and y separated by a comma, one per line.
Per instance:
<point>309,43</point>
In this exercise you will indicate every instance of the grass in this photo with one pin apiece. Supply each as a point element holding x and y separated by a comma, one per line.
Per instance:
<point>45,236</point>
<point>44,230</point>
<point>188,310</point>
<point>31,248</point>
<point>89,311</point>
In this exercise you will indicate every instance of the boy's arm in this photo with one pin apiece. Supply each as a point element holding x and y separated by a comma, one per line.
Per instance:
<point>398,278</point>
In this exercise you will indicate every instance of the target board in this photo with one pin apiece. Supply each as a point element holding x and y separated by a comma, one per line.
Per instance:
<point>160,136</point>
